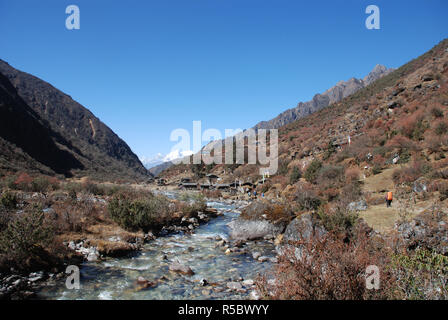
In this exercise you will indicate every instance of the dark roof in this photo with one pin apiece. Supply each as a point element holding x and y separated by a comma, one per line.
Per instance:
<point>189,184</point>
<point>223,186</point>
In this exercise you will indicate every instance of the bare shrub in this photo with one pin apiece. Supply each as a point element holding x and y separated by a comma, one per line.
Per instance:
<point>327,268</point>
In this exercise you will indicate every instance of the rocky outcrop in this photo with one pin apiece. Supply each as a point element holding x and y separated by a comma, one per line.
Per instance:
<point>303,228</point>
<point>360,205</point>
<point>428,231</point>
<point>241,229</point>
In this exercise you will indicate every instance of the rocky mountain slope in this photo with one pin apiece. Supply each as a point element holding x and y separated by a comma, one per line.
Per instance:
<point>25,141</point>
<point>72,140</point>
<point>399,119</point>
<point>341,90</point>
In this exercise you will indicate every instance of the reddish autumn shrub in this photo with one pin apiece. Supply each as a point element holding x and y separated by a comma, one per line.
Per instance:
<point>378,124</point>
<point>330,176</point>
<point>409,124</point>
<point>433,142</point>
<point>352,175</point>
<point>379,160</point>
<point>75,216</point>
<point>23,182</point>
<point>441,128</point>
<point>306,197</point>
<point>411,173</point>
<point>442,187</point>
<point>402,143</point>
<point>330,194</point>
<point>440,164</point>
<point>327,268</point>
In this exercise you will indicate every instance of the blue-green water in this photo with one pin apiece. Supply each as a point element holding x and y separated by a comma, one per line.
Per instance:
<point>116,278</point>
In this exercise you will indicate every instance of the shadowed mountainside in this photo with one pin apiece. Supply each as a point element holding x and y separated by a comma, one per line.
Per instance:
<point>25,140</point>
<point>96,150</point>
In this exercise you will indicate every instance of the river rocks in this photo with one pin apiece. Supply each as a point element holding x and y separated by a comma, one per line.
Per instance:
<point>89,253</point>
<point>221,243</point>
<point>35,276</point>
<point>241,229</point>
<point>238,244</point>
<point>256,255</point>
<point>71,245</point>
<point>193,221</point>
<point>234,285</point>
<point>206,292</point>
<point>149,236</point>
<point>92,257</point>
<point>248,282</point>
<point>17,287</point>
<point>254,295</point>
<point>180,268</point>
<point>145,283</point>
<point>263,259</point>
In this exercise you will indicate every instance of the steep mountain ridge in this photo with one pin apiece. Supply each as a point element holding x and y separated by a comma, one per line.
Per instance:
<point>397,118</point>
<point>25,140</point>
<point>336,93</point>
<point>100,152</point>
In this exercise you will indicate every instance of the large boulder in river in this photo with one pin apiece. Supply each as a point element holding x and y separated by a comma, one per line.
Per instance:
<point>260,220</point>
<point>241,229</point>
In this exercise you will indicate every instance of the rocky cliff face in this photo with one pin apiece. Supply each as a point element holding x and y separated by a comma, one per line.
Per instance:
<point>98,151</point>
<point>335,94</point>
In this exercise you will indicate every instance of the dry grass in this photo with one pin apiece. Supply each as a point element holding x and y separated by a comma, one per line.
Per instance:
<point>380,218</point>
<point>380,182</point>
<point>383,219</point>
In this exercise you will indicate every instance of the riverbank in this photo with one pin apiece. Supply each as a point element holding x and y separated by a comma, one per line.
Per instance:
<point>203,264</point>
<point>85,232</point>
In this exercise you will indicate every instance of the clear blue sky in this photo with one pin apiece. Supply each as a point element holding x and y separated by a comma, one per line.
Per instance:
<point>148,67</point>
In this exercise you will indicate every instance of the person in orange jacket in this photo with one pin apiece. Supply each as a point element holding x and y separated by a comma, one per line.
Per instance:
<point>389,199</point>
